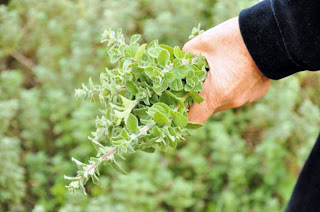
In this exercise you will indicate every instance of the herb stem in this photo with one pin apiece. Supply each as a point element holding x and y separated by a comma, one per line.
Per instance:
<point>101,159</point>
<point>113,150</point>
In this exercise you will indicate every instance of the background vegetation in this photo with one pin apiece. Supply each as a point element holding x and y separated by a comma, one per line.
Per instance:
<point>243,160</point>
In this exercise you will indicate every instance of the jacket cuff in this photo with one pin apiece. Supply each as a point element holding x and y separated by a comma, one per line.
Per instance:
<point>262,36</point>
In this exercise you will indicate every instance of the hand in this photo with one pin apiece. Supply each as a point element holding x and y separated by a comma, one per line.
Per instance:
<point>233,79</point>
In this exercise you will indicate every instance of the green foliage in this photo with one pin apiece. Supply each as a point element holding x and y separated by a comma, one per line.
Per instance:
<point>246,159</point>
<point>162,118</point>
<point>13,180</point>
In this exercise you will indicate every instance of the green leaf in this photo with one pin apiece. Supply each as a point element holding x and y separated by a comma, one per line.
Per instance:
<point>176,85</point>
<point>161,107</point>
<point>201,74</point>
<point>124,134</point>
<point>154,52</point>
<point>190,73</point>
<point>149,150</point>
<point>122,48</point>
<point>141,112</point>
<point>193,125</point>
<point>153,43</point>
<point>191,82</point>
<point>160,119</point>
<point>151,72</point>
<point>172,141</point>
<point>95,179</point>
<point>132,88</point>
<point>168,48</point>
<point>114,58</point>
<point>156,132</point>
<point>177,52</point>
<point>180,73</point>
<point>167,99</point>
<point>96,144</point>
<point>198,87</point>
<point>179,119</point>
<point>140,52</point>
<point>169,77</point>
<point>132,49</point>
<point>132,123</point>
<point>188,88</point>
<point>79,164</point>
<point>116,167</point>
<point>161,87</point>
<point>135,38</point>
<point>163,58</point>
<point>181,103</point>
<point>154,98</point>
<point>196,97</point>
<point>196,31</point>
<point>127,103</point>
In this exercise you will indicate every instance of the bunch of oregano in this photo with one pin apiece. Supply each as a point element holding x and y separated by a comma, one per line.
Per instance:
<point>146,98</point>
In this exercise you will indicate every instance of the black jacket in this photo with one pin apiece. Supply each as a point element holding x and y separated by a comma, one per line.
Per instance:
<point>283,36</point>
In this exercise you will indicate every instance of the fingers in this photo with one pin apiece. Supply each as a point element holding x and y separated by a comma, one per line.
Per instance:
<point>199,113</point>
<point>201,45</point>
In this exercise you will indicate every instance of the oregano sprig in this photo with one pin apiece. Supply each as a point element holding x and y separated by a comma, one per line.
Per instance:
<point>145,101</point>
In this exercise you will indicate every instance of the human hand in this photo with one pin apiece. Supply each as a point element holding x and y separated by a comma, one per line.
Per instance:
<point>233,79</point>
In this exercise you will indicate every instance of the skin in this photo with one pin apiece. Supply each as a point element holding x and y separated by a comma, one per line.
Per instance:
<point>234,79</point>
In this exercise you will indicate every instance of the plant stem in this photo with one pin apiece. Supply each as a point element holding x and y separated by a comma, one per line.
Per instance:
<point>23,60</point>
<point>113,150</point>
<point>143,130</point>
<point>101,159</point>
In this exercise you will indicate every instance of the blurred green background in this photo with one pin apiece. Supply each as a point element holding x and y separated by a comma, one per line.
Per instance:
<point>244,160</point>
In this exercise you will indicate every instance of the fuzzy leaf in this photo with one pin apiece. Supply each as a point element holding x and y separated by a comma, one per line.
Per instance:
<point>124,134</point>
<point>135,38</point>
<point>193,125</point>
<point>132,48</point>
<point>161,107</point>
<point>179,119</point>
<point>151,72</point>
<point>127,103</point>
<point>176,85</point>
<point>116,167</point>
<point>177,52</point>
<point>196,97</point>
<point>132,123</point>
<point>149,150</point>
<point>154,52</point>
<point>140,52</point>
<point>160,119</point>
<point>132,88</point>
<point>142,113</point>
<point>179,72</point>
<point>168,48</point>
<point>169,77</point>
<point>163,58</point>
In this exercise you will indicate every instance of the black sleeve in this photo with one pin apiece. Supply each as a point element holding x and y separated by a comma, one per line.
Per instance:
<point>283,36</point>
